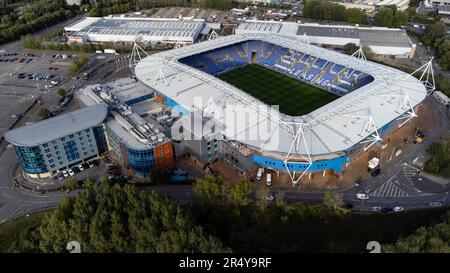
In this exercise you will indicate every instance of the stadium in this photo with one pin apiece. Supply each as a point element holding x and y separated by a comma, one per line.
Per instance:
<point>293,106</point>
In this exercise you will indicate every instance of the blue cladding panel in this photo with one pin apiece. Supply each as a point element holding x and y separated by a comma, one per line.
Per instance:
<point>384,130</point>
<point>141,161</point>
<point>100,139</point>
<point>169,102</point>
<point>334,164</point>
<point>31,159</point>
<point>139,99</point>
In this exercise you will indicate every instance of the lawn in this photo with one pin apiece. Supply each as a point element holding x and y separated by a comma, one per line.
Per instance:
<point>294,97</point>
<point>17,235</point>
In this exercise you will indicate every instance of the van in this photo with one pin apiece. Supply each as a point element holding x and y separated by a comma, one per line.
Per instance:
<point>269,180</point>
<point>259,174</point>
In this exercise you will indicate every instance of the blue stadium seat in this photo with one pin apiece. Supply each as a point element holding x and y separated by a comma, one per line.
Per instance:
<point>307,68</point>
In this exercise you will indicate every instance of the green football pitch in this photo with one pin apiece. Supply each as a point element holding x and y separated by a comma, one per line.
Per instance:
<point>293,97</point>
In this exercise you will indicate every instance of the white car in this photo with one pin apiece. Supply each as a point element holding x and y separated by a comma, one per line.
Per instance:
<point>91,164</point>
<point>375,209</point>
<point>71,173</point>
<point>80,167</point>
<point>362,196</point>
<point>269,197</point>
<point>65,173</point>
<point>398,209</point>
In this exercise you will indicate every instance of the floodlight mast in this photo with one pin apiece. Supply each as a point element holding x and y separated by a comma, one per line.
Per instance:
<point>427,77</point>
<point>213,35</point>
<point>137,54</point>
<point>359,54</point>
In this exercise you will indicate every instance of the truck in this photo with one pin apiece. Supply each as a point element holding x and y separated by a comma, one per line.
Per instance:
<point>373,163</point>
<point>109,51</point>
<point>269,179</point>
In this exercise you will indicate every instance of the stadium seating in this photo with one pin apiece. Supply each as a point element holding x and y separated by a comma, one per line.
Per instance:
<point>316,71</point>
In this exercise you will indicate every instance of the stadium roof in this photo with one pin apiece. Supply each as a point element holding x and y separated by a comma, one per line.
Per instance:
<point>329,129</point>
<point>60,126</point>
<point>371,36</point>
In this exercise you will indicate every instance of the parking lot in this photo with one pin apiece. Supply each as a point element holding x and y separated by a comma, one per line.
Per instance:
<point>24,76</point>
<point>78,172</point>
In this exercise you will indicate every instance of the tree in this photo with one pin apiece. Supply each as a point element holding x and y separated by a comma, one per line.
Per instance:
<point>350,48</point>
<point>400,19</point>
<point>367,52</point>
<point>211,188</point>
<point>113,218</point>
<point>279,200</point>
<point>61,92</point>
<point>159,175</point>
<point>240,193</point>
<point>333,201</point>
<point>261,197</point>
<point>44,113</point>
<point>356,16</point>
<point>384,17</point>
<point>71,184</point>
<point>433,32</point>
<point>434,239</point>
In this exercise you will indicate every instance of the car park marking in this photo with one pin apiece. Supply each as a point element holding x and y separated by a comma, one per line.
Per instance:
<point>390,189</point>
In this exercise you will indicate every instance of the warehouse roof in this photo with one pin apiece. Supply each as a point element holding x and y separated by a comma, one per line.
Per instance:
<point>160,27</point>
<point>372,36</point>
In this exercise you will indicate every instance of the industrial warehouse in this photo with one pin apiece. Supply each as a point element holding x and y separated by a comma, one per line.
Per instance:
<point>381,40</point>
<point>154,30</point>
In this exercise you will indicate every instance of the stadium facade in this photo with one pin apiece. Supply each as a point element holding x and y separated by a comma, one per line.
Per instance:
<point>176,106</point>
<point>374,100</point>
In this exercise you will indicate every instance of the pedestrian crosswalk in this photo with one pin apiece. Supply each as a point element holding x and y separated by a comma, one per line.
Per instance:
<point>390,189</point>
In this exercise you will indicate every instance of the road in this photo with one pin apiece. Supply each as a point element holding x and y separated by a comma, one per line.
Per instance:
<point>15,202</point>
<point>397,185</point>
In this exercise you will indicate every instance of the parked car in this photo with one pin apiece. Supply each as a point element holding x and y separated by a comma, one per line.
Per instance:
<point>16,115</point>
<point>60,177</point>
<point>81,167</point>
<point>362,196</point>
<point>65,173</point>
<point>71,172</point>
<point>91,164</point>
<point>375,209</point>
<point>435,204</point>
<point>358,183</point>
<point>398,209</point>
